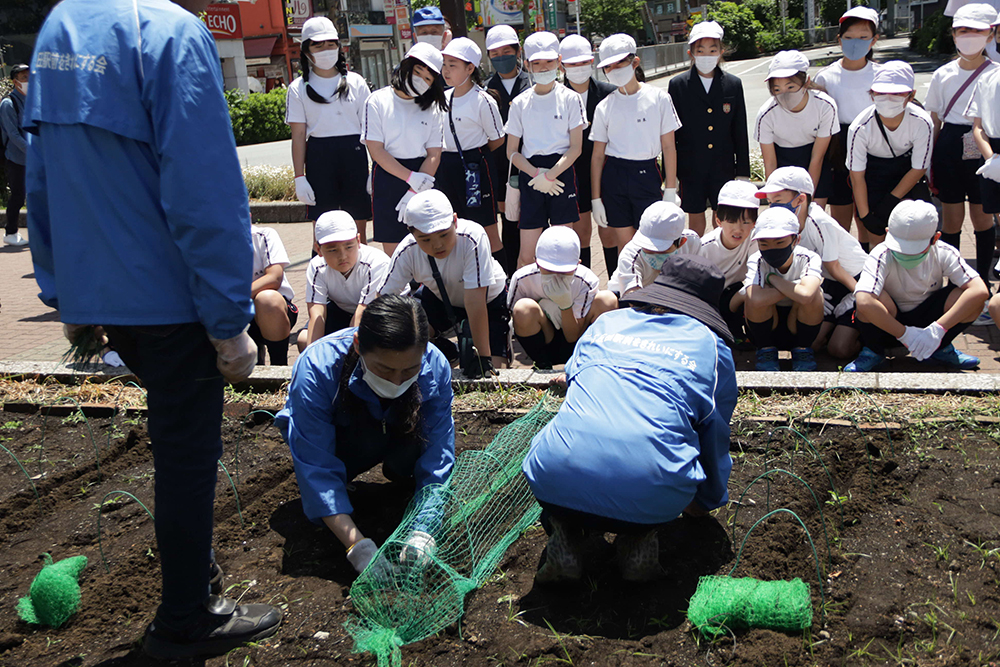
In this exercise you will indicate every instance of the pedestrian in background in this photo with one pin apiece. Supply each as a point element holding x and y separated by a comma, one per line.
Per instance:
<point>15,151</point>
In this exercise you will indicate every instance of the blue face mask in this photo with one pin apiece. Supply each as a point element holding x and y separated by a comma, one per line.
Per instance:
<point>855,49</point>
<point>788,205</point>
<point>504,64</point>
<point>656,260</point>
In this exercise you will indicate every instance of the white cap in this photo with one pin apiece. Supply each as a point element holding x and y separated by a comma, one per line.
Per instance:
<point>912,225</point>
<point>335,226</point>
<point>429,212</point>
<point>776,223</point>
<point>319,29</point>
<point>558,249</point>
<point>795,179</point>
<point>501,35</point>
<point>426,54</point>
<point>542,45</point>
<point>705,29</point>
<point>660,225</point>
<point>787,63</point>
<point>894,76</point>
<point>739,193</point>
<point>866,13</point>
<point>615,48</point>
<point>575,49</point>
<point>465,49</point>
<point>977,15</point>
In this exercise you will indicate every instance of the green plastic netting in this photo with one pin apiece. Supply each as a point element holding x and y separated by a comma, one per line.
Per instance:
<point>54,595</point>
<point>729,602</point>
<point>485,505</point>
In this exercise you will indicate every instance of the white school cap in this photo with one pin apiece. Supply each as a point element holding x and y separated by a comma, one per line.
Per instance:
<point>575,49</point>
<point>706,29</point>
<point>429,212</point>
<point>558,249</point>
<point>542,45</point>
<point>866,13</point>
<point>501,35</point>
<point>912,224</point>
<point>319,29</point>
<point>795,179</point>
<point>776,223</point>
<point>660,225</point>
<point>978,15</point>
<point>615,48</point>
<point>335,226</point>
<point>426,54</point>
<point>894,76</point>
<point>787,63</point>
<point>465,49</point>
<point>739,193</point>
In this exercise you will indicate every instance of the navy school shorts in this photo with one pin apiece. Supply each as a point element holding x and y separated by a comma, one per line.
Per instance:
<point>628,187</point>
<point>539,210</point>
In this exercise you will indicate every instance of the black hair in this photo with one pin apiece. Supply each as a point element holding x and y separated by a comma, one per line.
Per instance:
<point>734,214</point>
<point>434,95</point>
<point>650,308</point>
<point>799,77</point>
<point>853,21</point>
<point>341,66</point>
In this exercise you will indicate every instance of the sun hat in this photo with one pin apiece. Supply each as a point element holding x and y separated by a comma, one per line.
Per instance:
<point>615,48</point>
<point>319,29</point>
<point>429,212</point>
<point>660,225</point>
<point>739,193</point>
<point>426,54</point>
<point>775,223</point>
<point>795,179</point>
<point>558,249</point>
<point>335,226</point>
<point>912,225</point>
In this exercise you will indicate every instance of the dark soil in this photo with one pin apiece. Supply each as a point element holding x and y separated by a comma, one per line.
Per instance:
<point>903,580</point>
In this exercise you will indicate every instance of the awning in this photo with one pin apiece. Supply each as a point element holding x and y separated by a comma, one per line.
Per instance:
<point>259,47</point>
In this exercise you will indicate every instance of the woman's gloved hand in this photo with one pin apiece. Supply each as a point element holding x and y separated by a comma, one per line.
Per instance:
<point>361,553</point>
<point>304,192</point>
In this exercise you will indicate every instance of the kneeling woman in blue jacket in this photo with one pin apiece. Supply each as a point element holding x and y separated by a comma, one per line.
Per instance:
<point>375,394</point>
<point>643,434</point>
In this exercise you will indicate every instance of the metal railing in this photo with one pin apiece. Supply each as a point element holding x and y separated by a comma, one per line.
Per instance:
<point>658,59</point>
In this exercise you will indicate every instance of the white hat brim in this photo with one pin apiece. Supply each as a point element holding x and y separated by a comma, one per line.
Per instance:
<point>506,41</point>
<point>740,203</point>
<point>907,247</point>
<point>544,55</point>
<point>891,88</point>
<point>323,37</point>
<point>434,226</point>
<point>612,60</point>
<point>335,237</point>
<point>556,268</point>
<point>435,68</point>
<point>572,60</point>
<point>969,23</point>
<point>783,73</point>
<point>653,245</point>
<point>759,234</point>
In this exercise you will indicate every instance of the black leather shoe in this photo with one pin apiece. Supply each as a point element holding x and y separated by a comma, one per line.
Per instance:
<point>219,628</point>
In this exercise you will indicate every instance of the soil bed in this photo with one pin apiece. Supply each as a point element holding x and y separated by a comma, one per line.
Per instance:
<point>904,523</point>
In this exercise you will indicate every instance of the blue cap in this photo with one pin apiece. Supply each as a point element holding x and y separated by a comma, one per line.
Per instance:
<point>428,16</point>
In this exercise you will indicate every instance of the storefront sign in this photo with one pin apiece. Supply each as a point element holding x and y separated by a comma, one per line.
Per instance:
<point>297,12</point>
<point>223,21</point>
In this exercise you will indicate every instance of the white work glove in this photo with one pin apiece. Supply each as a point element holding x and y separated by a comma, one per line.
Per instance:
<point>597,213</point>
<point>546,185</point>
<point>368,184</point>
<point>909,337</point>
<point>361,554</point>
<point>418,549</point>
<point>236,356</point>
<point>827,304</point>
<point>401,206</point>
<point>928,340</point>
<point>670,195</point>
<point>419,181</point>
<point>991,169</point>
<point>552,312</point>
<point>304,192</point>
<point>845,305</point>
<point>112,358</point>
<point>559,290</point>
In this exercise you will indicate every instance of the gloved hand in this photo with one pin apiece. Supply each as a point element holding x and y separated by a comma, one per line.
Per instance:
<point>361,554</point>
<point>236,356</point>
<point>546,185</point>
<point>559,290</point>
<point>368,184</point>
<point>112,358</point>
<point>419,548</point>
<point>927,341</point>
<point>304,192</point>
<point>597,213</point>
<point>827,304</point>
<point>885,207</point>
<point>844,306</point>
<point>670,195</point>
<point>991,169</point>
<point>419,181</point>
<point>401,206</point>
<point>909,337</point>
<point>874,223</point>
<point>552,312</point>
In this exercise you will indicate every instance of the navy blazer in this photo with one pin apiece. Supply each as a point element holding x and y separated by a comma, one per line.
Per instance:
<point>521,84</point>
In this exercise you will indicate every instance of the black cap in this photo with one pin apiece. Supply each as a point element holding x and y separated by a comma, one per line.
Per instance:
<point>17,69</point>
<point>690,285</point>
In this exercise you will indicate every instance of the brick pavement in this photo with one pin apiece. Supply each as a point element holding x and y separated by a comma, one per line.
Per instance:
<point>32,332</point>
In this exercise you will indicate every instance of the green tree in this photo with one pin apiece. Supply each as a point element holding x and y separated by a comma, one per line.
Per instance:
<point>830,11</point>
<point>607,17</point>
<point>740,25</point>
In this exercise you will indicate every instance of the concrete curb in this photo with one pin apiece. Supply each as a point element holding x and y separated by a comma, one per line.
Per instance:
<point>274,377</point>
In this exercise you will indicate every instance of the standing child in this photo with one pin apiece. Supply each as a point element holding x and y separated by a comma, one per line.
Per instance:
<point>784,300</point>
<point>794,126</point>
<point>712,143</point>
<point>274,312</point>
<point>555,299</point>
<point>404,132</point>
<point>325,108</point>
<point>544,139</point>
<point>344,274</point>
<point>984,110</point>
<point>632,128</point>
<point>661,234</point>
<point>848,81</point>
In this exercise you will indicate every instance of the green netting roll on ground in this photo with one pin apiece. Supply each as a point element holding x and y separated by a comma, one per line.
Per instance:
<point>729,602</point>
<point>485,505</point>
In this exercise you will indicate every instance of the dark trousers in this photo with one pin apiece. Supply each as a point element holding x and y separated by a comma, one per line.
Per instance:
<point>176,364</point>
<point>15,179</point>
<point>929,311</point>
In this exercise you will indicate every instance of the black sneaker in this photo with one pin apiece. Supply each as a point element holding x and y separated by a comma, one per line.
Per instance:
<point>219,628</point>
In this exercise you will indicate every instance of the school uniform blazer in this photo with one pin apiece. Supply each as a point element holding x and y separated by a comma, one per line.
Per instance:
<point>714,126</point>
<point>598,91</point>
<point>521,84</point>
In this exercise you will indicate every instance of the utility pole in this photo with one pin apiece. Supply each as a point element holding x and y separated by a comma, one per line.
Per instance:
<point>454,13</point>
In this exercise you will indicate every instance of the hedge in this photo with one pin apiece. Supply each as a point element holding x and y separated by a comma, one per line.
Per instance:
<point>258,117</point>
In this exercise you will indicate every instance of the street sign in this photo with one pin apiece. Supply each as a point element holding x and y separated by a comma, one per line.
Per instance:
<point>223,21</point>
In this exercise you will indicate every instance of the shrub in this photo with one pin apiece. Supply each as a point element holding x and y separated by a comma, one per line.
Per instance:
<point>770,42</point>
<point>258,117</point>
<point>934,36</point>
<point>740,25</point>
<point>267,183</point>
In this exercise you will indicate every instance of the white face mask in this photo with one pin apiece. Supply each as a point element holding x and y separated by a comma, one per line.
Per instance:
<point>971,45</point>
<point>559,280</point>
<point>418,86</point>
<point>23,87</point>
<point>433,40</point>
<point>889,106</point>
<point>325,59</point>
<point>579,74</point>
<point>620,77</point>
<point>706,64</point>
<point>382,387</point>
<point>544,78</point>
<point>789,101</point>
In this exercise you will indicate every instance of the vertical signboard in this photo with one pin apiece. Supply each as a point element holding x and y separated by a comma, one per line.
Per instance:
<point>296,12</point>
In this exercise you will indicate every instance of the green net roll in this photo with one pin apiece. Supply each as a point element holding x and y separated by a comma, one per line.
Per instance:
<point>54,595</point>
<point>728,602</point>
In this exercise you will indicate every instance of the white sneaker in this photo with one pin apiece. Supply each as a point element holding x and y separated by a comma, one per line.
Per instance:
<point>984,319</point>
<point>15,239</point>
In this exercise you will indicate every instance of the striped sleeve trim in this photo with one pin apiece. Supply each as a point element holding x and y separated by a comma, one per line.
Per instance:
<point>854,138</point>
<point>497,124</point>
<point>967,271</point>
<point>760,120</point>
<point>516,284</point>
<point>475,252</point>
<point>396,256</point>
<point>367,287</point>
<point>834,120</point>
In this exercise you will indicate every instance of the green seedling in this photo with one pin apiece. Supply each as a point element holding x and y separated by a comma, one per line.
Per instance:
<point>940,552</point>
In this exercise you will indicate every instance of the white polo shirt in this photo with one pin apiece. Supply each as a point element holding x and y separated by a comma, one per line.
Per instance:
<point>983,103</point>
<point>825,237</point>
<point>404,129</point>
<point>945,83</point>
<point>326,285</point>
<point>775,125</point>
<point>849,89</point>
<point>268,251</point>
<point>911,287</point>
<point>732,263</point>
<point>341,117</point>
<point>469,266</point>
<point>476,117</point>
<point>527,284</point>
<point>864,138</point>
<point>632,125</point>
<point>634,271</point>
<point>804,263</point>
<point>544,121</point>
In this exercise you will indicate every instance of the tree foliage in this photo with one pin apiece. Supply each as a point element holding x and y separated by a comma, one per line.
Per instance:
<point>607,17</point>
<point>740,25</point>
<point>830,11</point>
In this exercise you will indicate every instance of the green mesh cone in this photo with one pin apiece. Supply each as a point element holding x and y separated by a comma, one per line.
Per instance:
<point>407,594</point>
<point>54,595</point>
<point>728,602</point>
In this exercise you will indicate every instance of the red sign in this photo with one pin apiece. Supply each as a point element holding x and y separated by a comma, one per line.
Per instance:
<point>562,32</point>
<point>224,21</point>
